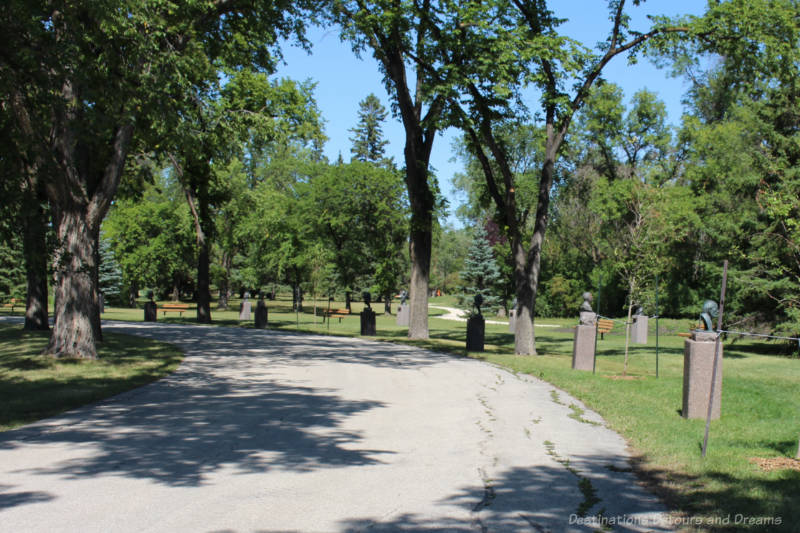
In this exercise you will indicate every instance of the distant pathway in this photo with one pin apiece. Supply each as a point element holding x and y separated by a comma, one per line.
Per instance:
<point>275,432</point>
<point>458,315</point>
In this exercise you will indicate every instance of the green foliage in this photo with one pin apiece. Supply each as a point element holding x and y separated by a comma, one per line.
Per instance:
<point>110,274</point>
<point>481,274</point>
<point>369,145</point>
<point>449,251</point>
<point>152,240</point>
<point>12,269</point>
<point>359,210</point>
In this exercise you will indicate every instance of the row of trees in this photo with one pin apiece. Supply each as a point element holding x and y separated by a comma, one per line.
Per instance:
<point>92,92</point>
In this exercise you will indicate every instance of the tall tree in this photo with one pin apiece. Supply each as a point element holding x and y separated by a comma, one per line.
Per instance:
<point>79,78</point>
<point>369,145</point>
<point>401,36</point>
<point>530,48</point>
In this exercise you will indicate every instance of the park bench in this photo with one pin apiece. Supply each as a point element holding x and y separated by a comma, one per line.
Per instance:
<point>11,304</point>
<point>337,313</point>
<point>604,325</point>
<point>175,308</point>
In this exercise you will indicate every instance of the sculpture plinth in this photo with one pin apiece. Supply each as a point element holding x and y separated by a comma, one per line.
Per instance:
<point>698,365</point>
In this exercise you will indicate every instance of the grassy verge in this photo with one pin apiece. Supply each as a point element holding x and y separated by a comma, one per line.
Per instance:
<point>34,386</point>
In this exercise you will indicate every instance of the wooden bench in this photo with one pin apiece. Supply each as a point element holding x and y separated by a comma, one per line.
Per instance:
<point>604,325</point>
<point>174,308</point>
<point>11,304</point>
<point>336,313</point>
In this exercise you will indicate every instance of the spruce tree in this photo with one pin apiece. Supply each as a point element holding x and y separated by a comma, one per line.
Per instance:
<point>369,145</point>
<point>110,273</point>
<point>481,273</point>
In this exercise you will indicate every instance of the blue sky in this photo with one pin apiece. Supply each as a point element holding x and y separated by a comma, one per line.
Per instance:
<point>343,80</point>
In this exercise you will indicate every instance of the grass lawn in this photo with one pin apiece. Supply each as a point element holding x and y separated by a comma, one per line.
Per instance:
<point>760,405</point>
<point>34,386</point>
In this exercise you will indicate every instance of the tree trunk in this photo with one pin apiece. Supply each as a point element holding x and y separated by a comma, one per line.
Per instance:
<point>524,335</point>
<point>98,332</point>
<point>224,286</point>
<point>35,252</point>
<point>202,223</point>
<point>74,334</point>
<point>525,345</point>
<point>133,293</point>
<point>387,303</point>
<point>203,285</point>
<point>420,251</point>
<point>347,300</point>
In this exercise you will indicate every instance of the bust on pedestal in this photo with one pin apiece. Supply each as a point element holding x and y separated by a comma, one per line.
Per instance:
<point>262,313</point>
<point>244,307</point>
<point>639,327</point>
<point>476,327</point>
<point>403,310</point>
<point>368,317</point>
<point>150,309</point>
<point>585,333</point>
<point>698,367</point>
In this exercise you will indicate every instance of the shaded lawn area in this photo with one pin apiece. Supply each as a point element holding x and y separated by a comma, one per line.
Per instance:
<point>35,386</point>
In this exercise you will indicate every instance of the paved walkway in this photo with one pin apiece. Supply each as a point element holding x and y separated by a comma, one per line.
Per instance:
<point>456,314</point>
<point>268,431</point>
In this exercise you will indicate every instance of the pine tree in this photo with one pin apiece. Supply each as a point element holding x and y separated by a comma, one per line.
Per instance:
<point>12,269</point>
<point>369,145</point>
<point>110,273</point>
<point>481,273</point>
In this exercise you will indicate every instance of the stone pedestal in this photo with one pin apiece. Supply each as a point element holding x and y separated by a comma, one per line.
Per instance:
<point>244,310</point>
<point>403,312</point>
<point>512,320</point>
<point>476,330</point>
<point>368,322</point>
<point>150,312</point>
<point>262,315</point>
<point>698,364</point>
<point>639,329</point>
<point>583,348</point>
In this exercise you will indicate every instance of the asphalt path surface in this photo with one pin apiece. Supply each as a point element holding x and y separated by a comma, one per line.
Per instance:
<point>267,431</point>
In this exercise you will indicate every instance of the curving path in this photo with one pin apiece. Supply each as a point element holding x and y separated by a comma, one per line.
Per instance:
<point>458,315</point>
<point>268,431</point>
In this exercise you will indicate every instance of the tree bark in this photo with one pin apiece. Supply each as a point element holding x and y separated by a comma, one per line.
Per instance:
<point>133,293</point>
<point>35,253</point>
<point>224,286</point>
<point>74,333</point>
<point>200,208</point>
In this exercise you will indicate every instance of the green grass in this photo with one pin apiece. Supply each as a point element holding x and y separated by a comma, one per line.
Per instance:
<point>760,404</point>
<point>35,386</point>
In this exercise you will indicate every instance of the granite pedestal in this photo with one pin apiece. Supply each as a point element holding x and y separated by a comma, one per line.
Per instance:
<point>512,320</point>
<point>698,364</point>
<point>262,315</point>
<point>403,312</point>
<point>583,348</point>
<point>368,322</point>
<point>244,310</point>
<point>476,329</point>
<point>639,329</point>
<point>150,312</point>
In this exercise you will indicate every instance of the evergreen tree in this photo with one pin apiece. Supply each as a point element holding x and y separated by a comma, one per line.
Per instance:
<point>110,273</point>
<point>369,145</point>
<point>481,273</point>
<point>12,268</point>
